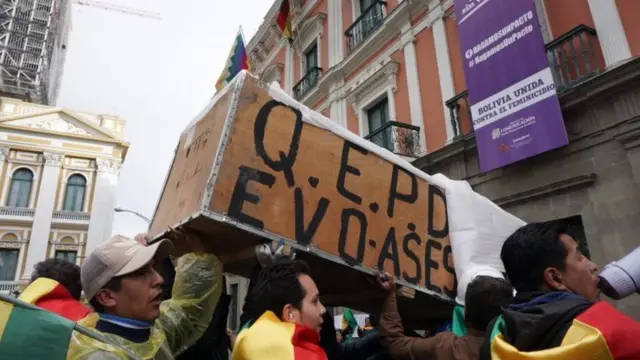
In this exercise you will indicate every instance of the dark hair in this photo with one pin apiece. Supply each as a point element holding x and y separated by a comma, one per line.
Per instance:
<point>530,250</point>
<point>483,300</point>
<point>278,285</point>
<point>113,285</point>
<point>62,271</point>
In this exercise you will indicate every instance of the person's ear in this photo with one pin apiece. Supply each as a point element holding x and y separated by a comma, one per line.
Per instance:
<point>553,279</point>
<point>106,298</point>
<point>289,314</point>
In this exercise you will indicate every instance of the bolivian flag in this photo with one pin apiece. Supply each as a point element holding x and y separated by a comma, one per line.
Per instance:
<point>285,20</point>
<point>599,333</point>
<point>27,332</point>
<point>51,295</point>
<point>271,339</point>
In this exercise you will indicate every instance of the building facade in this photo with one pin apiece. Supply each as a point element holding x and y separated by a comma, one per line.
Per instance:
<point>392,72</point>
<point>58,177</point>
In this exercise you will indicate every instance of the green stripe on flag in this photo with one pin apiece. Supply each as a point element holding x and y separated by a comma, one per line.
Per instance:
<point>35,334</point>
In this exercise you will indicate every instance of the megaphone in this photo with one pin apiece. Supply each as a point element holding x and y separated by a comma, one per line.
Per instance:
<point>621,278</point>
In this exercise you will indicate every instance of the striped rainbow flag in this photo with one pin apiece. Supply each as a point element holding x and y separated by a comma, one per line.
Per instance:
<point>600,333</point>
<point>236,62</point>
<point>27,332</point>
<point>271,339</point>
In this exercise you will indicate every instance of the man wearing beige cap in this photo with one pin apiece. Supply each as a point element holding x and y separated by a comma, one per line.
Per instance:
<point>121,282</point>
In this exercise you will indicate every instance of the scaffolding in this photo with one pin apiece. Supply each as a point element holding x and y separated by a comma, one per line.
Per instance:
<point>32,38</point>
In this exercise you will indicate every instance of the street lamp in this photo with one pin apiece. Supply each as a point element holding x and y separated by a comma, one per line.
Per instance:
<point>121,210</point>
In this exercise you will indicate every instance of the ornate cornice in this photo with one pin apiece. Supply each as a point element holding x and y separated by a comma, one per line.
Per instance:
<point>52,159</point>
<point>310,29</point>
<point>108,165</point>
<point>371,77</point>
<point>3,153</point>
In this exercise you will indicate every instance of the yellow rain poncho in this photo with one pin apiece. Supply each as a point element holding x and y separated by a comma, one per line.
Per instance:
<point>183,318</point>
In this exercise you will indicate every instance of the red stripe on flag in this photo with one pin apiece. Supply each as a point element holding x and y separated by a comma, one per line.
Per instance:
<point>283,15</point>
<point>305,344</point>
<point>620,331</point>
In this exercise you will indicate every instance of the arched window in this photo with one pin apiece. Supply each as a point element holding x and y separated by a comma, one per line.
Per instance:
<point>74,194</point>
<point>20,189</point>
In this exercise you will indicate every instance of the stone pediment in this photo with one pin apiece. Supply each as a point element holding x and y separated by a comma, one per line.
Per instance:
<point>60,122</point>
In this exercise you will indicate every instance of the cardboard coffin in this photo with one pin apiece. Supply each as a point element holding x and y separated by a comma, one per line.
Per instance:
<point>251,169</point>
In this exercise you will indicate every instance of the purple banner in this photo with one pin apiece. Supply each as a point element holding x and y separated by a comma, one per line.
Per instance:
<point>514,105</point>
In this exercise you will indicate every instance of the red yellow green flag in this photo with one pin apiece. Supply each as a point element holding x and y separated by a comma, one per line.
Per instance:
<point>271,339</point>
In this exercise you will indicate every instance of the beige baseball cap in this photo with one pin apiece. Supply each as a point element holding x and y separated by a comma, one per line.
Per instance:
<point>118,256</point>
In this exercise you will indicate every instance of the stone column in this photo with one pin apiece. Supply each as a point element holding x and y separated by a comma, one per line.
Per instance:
<point>4,152</point>
<point>445,74</point>
<point>104,201</point>
<point>41,229</point>
<point>611,35</point>
<point>413,84</point>
<point>288,69</point>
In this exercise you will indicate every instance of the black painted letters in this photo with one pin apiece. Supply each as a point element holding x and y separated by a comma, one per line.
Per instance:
<point>394,194</point>
<point>345,221</point>
<point>240,194</point>
<point>305,236</point>
<point>286,161</point>
<point>346,168</point>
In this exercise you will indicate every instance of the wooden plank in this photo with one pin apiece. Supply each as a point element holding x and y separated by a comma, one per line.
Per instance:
<point>194,159</point>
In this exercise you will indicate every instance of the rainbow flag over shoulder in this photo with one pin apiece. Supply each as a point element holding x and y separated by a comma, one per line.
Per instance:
<point>271,339</point>
<point>599,333</point>
<point>236,62</point>
<point>27,332</point>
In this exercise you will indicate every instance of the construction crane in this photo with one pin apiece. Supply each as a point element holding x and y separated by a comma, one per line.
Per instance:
<point>118,8</point>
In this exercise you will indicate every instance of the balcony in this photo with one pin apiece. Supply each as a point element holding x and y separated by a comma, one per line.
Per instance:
<point>71,217</point>
<point>368,22</point>
<point>399,138</point>
<point>17,213</point>
<point>574,57</point>
<point>307,83</point>
<point>8,287</point>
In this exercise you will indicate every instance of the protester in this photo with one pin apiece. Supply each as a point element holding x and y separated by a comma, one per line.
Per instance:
<point>483,299</point>
<point>55,286</point>
<point>124,289</point>
<point>290,316</point>
<point>556,313</point>
<point>361,348</point>
<point>215,343</point>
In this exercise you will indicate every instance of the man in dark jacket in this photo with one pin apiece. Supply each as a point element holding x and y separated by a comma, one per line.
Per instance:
<point>557,302</point>
<point>485,295</point>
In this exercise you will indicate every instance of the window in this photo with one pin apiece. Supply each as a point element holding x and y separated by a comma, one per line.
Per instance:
<point>233,314</point>
<point>20,189</point>
<point>311,57</point>
<point>70,256</point>
<point>364,5</point>
<point>377,117</point>
<point>74,194</point>
<point>8,264</point>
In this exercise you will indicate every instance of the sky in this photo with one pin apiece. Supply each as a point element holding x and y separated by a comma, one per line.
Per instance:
<point>156,75</point>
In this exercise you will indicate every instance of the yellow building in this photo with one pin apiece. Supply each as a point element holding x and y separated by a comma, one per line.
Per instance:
<point>59,172</point>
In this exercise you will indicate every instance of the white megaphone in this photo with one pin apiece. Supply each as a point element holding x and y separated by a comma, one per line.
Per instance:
<point>621,278</point>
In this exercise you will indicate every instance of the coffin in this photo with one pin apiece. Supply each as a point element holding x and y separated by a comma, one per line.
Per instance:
<point>255,166</point>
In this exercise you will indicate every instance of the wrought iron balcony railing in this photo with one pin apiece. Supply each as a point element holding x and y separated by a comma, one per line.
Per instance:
<point>308,82</point>
<point>368,22</point>
<point>399,138</point>
<point>459,110</point>
<point>574,57</point>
